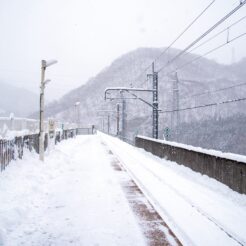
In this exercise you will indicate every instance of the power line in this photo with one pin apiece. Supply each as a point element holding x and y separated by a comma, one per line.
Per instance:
<point>214,91</point>
<point>207,53</point>
<point>204,34</point>
<point>177,38</point>
<point>186,29</point>
<point>210,92</point>
<point>205,105</point>
<point>224,18</point>
<point>217,34</point>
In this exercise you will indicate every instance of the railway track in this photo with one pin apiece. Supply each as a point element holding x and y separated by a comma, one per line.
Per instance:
<point>154,228</point>
<point>172,193</point>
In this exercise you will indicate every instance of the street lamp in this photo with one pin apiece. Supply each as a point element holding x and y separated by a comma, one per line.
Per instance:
<point>44,65</point>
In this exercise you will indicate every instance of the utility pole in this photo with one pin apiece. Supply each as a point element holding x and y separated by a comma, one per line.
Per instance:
<point>44,65</point>
<point>118,120</point>
<point>103,124</point>
<point>41,116</point>
<point>153,104</point>
<point>123,115</point>
<point>177,107</point>
<point>155,114</point>
<point>108,123</point>
<point>41,112</point>
<point>175,116</point>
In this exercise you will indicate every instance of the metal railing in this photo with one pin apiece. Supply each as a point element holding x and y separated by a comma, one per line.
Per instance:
<point>14,149</point>
<point>85,131</point>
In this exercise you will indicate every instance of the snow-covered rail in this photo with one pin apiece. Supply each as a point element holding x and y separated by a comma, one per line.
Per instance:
<point>185,199</point>
<point>199,210</point>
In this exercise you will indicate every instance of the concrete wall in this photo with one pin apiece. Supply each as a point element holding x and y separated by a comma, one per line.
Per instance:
<point>230,172</point>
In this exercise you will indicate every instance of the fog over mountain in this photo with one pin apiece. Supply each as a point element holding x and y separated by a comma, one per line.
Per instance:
<point>204,75</point>
<point>17,100</point>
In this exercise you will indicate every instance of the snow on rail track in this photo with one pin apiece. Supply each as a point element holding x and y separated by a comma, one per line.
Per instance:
<point>200,210</point>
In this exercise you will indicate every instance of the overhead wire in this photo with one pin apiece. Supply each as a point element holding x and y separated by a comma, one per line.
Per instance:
<point>203,35</point>
<point>210,29</point>
<point>204,106</point>
<point>242,3</point>
<point>178,37</point>
<point>217,34</point>
<point>213,91</point>
<point>208,92</point>
<point>207,53</point>
<point>186,29</point>
<point>199,57</point>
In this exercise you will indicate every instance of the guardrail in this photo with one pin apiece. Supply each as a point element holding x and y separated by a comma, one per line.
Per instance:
<point>85,131</point>
<point>231,172</point>
<point>14,149</point>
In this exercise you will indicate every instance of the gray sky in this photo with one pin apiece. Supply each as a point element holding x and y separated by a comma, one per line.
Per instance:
<point>87,35</point>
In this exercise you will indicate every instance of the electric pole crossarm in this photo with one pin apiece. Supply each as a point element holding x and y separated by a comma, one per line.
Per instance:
<point>106,110</point>
<point>154,105</point>
<point>134,98</point>
<point>142,100</point>
<point>124,89</point>
<point>118,98</point>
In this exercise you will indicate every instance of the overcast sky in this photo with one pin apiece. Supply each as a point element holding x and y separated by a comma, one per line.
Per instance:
<point>87,35</point>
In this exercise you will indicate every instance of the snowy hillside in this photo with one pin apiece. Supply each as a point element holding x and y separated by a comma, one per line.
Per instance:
<point>126,69</point>
<point>201,76</point>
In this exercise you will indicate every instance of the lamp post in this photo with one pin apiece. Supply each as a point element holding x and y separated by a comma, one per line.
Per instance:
<point>44,65</point>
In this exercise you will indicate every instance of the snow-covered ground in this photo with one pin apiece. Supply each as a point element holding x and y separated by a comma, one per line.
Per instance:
<point>199,210</point>
<point>73,198</point>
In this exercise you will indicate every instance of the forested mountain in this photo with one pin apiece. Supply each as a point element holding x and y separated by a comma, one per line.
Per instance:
<point>201,82</point>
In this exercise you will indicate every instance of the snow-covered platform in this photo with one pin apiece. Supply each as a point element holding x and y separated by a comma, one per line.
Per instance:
<point>96,190</point>
<point>80,195</point>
